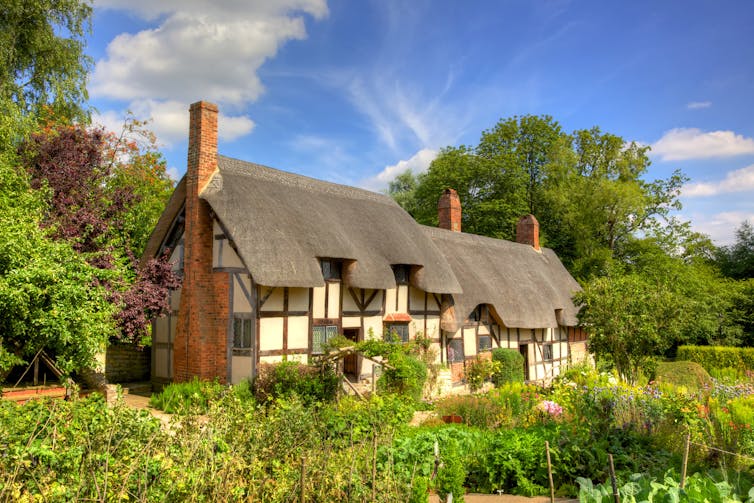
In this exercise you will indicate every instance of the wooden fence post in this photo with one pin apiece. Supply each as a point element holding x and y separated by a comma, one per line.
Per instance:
<point>616,496</point>
<point>549,472</point>
<point>303,480</point>
<point>685,459</point>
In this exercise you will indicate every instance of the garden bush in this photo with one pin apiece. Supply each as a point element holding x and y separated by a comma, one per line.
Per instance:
<point>683,373</point>
<point>191,397</point>
<point>480,370</point>
<point>718,357</point>
<point>511,366</point>
<point>311,383</point>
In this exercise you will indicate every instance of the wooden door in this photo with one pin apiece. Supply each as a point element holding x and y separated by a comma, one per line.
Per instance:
<point>351,362</point>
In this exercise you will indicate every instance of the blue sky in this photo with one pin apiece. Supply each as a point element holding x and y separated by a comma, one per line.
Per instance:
<point>356,92</point>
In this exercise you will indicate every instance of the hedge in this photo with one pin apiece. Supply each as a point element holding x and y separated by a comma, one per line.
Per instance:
<point>718,357</point>
<point>511,366</point>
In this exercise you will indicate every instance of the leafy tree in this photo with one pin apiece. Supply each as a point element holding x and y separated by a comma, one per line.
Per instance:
<point>105,194</point>
<point>42,60</point>
<point>630,319</point>
<point>50,297</point>
<point>403,190</point>
<point>737,260</point>
<point>586,188</point>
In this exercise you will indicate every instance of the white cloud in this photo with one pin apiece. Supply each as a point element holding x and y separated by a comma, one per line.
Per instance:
<point>692,143</point>
<point>721,227</point>
<point>418,163</point>
<point>696,105</point>
<point>740,180</point>
<point>198,49</point>
<point>169,121</point>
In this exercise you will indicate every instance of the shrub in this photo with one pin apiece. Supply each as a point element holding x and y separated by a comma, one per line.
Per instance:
<point>406,378</point>
<point>191,397</point>
<point>717,357</point>
<point>683,373</point>
<point>480,370</point>
<point>511,366</point>
<point>310,383</point>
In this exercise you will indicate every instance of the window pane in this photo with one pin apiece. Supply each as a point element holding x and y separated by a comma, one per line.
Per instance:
<point>237,333</point>
<point>485,343</point>
<point>547,351</point>
<point>318,339</point>
<point>455,350</point>
<point>247,334</point>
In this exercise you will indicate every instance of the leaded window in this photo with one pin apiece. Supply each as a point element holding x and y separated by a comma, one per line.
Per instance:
<point>321,335</point>
<point>242,336</point>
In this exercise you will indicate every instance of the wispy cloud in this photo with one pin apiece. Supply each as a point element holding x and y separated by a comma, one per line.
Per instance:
<point>692,143</point>
<point>417,163</point>
<point>159,71</point>
<point>696,105</point>
<point>740,180</point>
<point>721,227</point>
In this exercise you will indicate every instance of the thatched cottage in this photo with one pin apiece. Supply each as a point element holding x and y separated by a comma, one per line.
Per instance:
<point>275,264</point>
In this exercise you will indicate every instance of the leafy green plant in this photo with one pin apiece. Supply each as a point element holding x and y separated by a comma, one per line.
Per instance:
<point>511,366</point>
<point>641,487</point>
<point>480,370</point>
<point>187,397</point>
<point>309,382</point>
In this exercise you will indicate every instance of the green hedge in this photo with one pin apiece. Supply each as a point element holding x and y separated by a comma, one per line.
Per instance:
<point>718,357</point>
<point>511,366</point>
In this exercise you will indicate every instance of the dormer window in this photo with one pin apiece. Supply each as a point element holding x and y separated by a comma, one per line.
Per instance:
<point>331,269</point>
<point>402,273</point>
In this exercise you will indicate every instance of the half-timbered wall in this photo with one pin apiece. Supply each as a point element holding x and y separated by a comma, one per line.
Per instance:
<point>271,324</point>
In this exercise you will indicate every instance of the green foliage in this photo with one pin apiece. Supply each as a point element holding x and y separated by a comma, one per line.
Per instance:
<point>586,188</point>
<point>641,487</point>
<point>50,296</point>
<point>511,366</point>
<point>310,383</point>
<point>719,357</point>
<point>42,62</point>
<point>405,372</point>
<point>192,397</point>
<point>480,370</point>
<point>737,260</point>
<point>630,319</point>
<point>683,373</point>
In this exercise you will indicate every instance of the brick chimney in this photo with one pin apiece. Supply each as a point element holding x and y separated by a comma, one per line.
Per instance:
<point>449,211</point>
<point>200,346</point>
<point>527,231</point>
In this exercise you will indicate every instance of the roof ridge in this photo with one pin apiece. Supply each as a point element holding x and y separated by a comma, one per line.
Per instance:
<point>259,171</point>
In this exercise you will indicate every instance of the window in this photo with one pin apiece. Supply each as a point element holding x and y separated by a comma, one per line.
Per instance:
<point>402,273</point>
<point>478,314</point>
<point>547,352</point>
<point>484,343</point>
<point>397,331</point>
<point>331,269</point>
<point>242,336</point>
<point>321,335</point>
<point>455,351</point>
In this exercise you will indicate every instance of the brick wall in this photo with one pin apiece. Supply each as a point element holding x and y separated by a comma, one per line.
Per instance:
<point>449,211</point>
<point>201,331</point>
<point>527,231</point>
<point>125,363</point>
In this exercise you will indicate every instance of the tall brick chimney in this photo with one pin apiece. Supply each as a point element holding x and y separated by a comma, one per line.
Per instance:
<point>200,346</point>
<point>449,211</point>
<point>527,231</point>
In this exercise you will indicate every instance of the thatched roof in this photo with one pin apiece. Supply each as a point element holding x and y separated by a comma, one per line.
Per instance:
<point>172,209</point>
<point>526,288</point>
<point>282,224</point>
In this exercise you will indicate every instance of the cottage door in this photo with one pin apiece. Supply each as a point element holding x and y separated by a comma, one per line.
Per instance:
<point>351,362</point>
<point>524,350</point>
